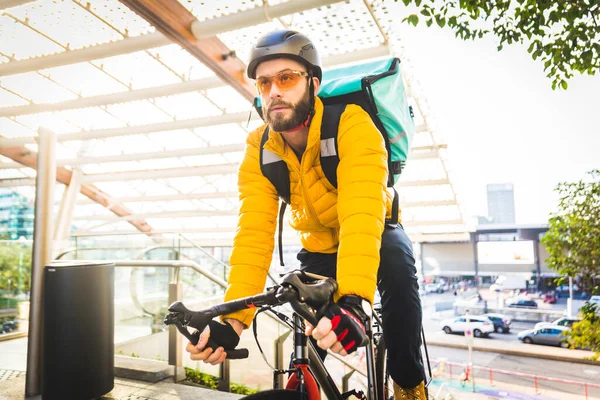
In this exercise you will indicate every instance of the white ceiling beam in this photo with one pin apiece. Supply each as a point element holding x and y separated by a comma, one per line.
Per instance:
<point>423,155</point>
<point>5,4</point>
<point>170,197</point>
<point>234,118</point>
<point>229,148</point>
<point>424,182</point>
<point>234,195</point>
<point>356,56</point>
<point>161,214</point>
<point>290,236</point>
<point>197,151</point>
<point>223,169</point>
<point>16,182</point>
<point>432,203</point>
<point>417,223</point>
<point>424,148</point>
<point>222,213</point>
<point>105,50</point>
<point>115,98</point>
<point>255,16</point>
<point>422,128</point>
<point>205,170</point>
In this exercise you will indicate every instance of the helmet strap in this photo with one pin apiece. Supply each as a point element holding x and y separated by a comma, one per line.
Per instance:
<point>311,95</point>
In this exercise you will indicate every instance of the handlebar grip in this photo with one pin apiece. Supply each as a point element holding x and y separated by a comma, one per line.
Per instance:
<point>236,354</point>
<point>232,354</point>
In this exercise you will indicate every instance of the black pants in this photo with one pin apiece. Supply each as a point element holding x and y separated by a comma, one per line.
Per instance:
<point>400,303</point>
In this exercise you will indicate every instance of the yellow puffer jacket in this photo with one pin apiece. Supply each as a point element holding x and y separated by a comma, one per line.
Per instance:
<point>349,220</point>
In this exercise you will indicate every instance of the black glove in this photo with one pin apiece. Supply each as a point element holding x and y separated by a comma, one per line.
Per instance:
<point>222,335</point>
<point>348,322</point>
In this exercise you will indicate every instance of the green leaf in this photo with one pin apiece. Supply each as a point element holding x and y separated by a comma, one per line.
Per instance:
<point>413,19</point>
<point>425,12</point>
<point>440,21</point>
<point>406,2</point>
<point>429,22</point>
<point>530,48</point>
<point>564,85</point>
<point>418,3</point>
<point>500,47</point>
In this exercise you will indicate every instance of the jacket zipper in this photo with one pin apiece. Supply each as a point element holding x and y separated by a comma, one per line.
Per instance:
<point>311,210</point>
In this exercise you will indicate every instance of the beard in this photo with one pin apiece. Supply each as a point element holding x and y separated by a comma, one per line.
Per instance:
<point>279,123</point>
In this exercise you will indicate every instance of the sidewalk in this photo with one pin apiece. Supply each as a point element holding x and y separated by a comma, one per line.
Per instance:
<point>511,348</point>
<point>126,389</point>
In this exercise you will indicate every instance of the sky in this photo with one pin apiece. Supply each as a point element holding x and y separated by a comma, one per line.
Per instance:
<point>502,121</point>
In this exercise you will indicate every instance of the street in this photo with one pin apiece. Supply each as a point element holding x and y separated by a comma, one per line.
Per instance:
<point>432,319</point>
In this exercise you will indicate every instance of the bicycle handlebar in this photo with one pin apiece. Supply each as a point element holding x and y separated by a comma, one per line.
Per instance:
<point>308,298</point>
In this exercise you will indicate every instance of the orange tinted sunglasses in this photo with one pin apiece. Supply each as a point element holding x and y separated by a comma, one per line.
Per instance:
<point>284,80</point>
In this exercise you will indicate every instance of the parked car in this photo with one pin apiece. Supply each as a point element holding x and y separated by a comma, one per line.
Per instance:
<point>549,298</point>
<point>563,321</point>
<point>480,325</point>
<point>546,335</point>
<point>523,303</point>
<point>434,288</point>
<point>8,326</point>
<point>501,322</point>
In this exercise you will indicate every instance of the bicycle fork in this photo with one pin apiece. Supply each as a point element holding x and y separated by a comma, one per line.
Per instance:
<point>302,379</point>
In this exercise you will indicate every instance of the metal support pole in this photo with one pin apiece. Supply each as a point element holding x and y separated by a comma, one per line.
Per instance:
<point>175,347</point>
<point>538,267</point>
<point>67,205</point>
<point>42,256</point>
<point>65,212</point>
<point>570,299</point>
<point>345,381</point>
<point>279,360</point>
<point>474,239</point>
<point>224,385</point>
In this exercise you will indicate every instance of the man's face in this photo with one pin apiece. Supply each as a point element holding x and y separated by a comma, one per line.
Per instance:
<point>284,107</point>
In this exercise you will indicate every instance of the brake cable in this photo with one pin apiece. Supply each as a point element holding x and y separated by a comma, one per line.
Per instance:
<point>285,319</point>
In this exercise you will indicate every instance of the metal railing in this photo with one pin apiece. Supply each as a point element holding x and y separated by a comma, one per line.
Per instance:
<point>175,348</point>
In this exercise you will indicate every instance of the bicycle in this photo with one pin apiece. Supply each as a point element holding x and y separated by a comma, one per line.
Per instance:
<point>309,295</point>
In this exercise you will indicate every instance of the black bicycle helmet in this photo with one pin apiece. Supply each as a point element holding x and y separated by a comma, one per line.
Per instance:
<point>288,44</point>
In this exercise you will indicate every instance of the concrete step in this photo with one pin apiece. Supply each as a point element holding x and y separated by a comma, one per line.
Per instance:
<point>141,369</point>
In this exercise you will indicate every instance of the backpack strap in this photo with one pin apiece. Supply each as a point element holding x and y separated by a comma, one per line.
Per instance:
<point>330,158</point>
<point>276,171</point>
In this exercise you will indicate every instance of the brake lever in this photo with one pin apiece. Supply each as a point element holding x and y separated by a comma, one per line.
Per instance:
<point>181,317</point>
<point>305,311</point>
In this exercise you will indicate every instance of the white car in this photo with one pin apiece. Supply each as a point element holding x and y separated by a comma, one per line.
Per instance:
<point>564,321</point>
<point>432,288</point>
<point>480,325</point>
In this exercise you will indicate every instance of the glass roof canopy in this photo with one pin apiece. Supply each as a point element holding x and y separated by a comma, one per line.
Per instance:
<point>157,131</point>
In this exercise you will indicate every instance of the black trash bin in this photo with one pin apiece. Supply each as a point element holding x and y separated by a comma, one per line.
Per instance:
<point>78,332</point>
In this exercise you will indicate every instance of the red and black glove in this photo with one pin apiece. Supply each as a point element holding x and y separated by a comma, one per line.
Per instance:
<point>348,322</point>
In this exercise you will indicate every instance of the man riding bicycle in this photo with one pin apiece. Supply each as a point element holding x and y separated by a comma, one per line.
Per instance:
<point>345,233</point>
